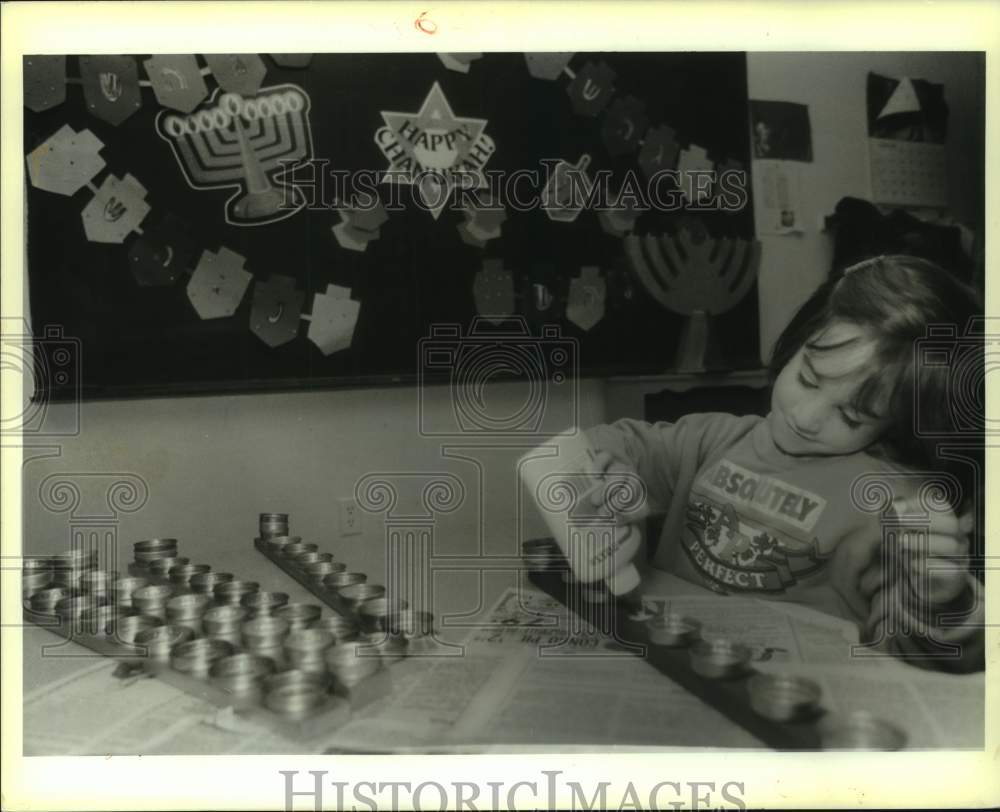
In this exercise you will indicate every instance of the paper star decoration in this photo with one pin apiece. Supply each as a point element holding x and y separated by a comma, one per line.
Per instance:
<point>430,147</point>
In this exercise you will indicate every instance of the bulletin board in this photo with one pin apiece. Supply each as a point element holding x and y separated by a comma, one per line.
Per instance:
<point>382,285</point>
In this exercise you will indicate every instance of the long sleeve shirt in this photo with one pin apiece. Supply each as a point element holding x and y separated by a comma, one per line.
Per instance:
<point>742,516</point>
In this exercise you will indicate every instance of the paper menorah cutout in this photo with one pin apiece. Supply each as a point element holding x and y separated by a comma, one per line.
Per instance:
<point>249,143</point>
<point>694,275</point>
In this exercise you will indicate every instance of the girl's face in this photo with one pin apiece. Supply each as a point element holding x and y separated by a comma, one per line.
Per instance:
<point>811,402</point>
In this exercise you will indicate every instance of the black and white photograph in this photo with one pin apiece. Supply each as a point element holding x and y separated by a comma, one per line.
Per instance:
<point>424,401</point>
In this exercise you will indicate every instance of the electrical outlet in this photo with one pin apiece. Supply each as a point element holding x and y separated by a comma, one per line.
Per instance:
<point>350,517</point>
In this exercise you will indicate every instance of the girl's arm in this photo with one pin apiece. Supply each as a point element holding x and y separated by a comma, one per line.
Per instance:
<point>666,455</point>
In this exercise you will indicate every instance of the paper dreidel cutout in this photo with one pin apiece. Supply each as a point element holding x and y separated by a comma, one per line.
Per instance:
<point>237,73</point>
<point>292,60</point>
<point>110,86</point>
<point>162,253</point>
<point>691,271</point>
<point>459,62</point>
<point>693,166</point>
<point>218,284</point>
<point>250,144</point>
<point>547,66</point>
<point>493,291</point>
<point>277,310</point>
<point>351,237</point>
<point>659,150</point>
<point>587,293</point>
<point>430,147</point>
<point>177,81</point>
<point>567,190</point>
<point>368,217</point>
<point>334,316</point>
<point>468,237</point>
<point>66,161</point>
<point>483,218</point>
<point>44,82</point>
<point>591,89</point>
<point>624,126</point>
<point>619,219</point>
<point>116,210</point>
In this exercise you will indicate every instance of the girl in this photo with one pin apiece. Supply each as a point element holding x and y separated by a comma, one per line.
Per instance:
<point>785,506</point>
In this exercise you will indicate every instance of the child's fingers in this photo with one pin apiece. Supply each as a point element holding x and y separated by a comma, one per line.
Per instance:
<point>934,544</point>
<point>946,523</point>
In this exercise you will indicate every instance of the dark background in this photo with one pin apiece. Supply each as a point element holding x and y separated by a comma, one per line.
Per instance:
<point>139,340</point>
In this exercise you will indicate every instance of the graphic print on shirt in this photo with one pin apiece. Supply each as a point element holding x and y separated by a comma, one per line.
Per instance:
<point>749,532</point>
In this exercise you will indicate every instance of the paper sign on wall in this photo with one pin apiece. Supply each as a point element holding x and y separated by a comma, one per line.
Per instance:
<point>429,147</point>
<point>110,86</point>
<point>116,210</point>
<point>334,317</point>
<point>218,284</point>
<point>66,161</point>
<point>276,310</point>
<point>237,73</point>
<point>44,82</point>
<point>176,80</point>
<point>162,253</point>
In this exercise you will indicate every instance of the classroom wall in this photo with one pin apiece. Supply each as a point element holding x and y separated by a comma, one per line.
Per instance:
<point>212,464</point>
<point>833,85</point>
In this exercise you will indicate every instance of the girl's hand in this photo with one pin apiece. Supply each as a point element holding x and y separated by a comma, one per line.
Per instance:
<point>622,493</point>
<point>936,564</point>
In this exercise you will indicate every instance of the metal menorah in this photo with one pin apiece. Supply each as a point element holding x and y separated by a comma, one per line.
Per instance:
<point>249,142</point>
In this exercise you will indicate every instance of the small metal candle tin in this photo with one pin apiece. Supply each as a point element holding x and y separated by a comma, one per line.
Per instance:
<point>595,592</point>
<point>152,599</point>
<point>152,549</point>
<point>673,630</point>
<point>299,615</point>
<point>264,632</point>
<point>242,673</point>
<point>98,582</point>
<point>350,663</point>
<point>186,610</point>
<point>294,701</point>
<point>123,589</point>
<point>182,574</point>
<point>299,678</point>
<point>232,592</point>
<point>204,583</point>
<point>273,524</point>
<point>339,580</point>
<point>293,551</point>
<point>33,581</point>
<point>783,697</point>
<point>102,620</point>
<point>355,595</point>
<point>73,606</point>
<point>160,640</point>
<point>197,656</point>
<point>77,558</point>
<point>719,659</point>
<point>340,627</point>
<point>44,600</point>
<point>162,566</point>
<point>379,614</point>
<point>277,543</point>
<point>319,570</point>
<point>224,620</point>
<point>127,628</point>
<point>306,649</point>
<point>860,730</point>
<point>303,560</point>
<point>390,647</point>
<point>264,603</point>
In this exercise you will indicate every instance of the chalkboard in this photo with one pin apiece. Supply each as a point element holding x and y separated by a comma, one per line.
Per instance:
<point>417,278</point>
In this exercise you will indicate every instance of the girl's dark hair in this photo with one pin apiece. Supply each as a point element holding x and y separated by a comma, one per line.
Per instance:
<point>928,362</point>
